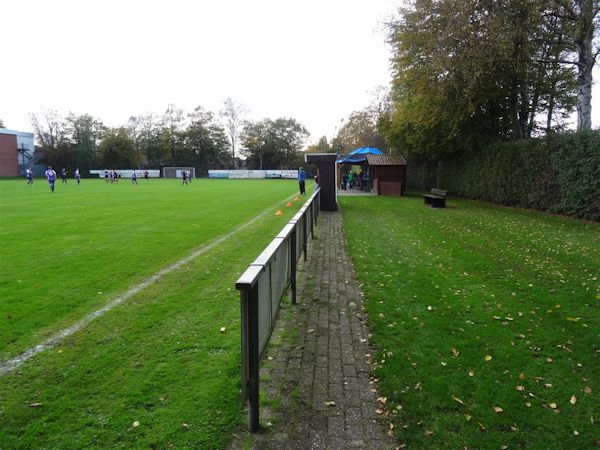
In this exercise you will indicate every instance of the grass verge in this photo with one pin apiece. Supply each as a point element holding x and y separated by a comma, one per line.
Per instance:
<point>486,318</point>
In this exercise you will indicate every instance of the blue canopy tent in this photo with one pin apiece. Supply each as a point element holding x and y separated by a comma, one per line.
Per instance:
<point>359,155</point>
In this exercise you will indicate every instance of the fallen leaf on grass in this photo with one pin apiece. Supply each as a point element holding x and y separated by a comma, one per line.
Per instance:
<point>222,330</point>
<point>471,373</point>
<point>521,376</point>
<point>587,390</point>
<point>575,433</point>
<point>428,432</point>
<point>35,405</point>
<point>553,405</point>
<point>456,399</point>
<point>382,400</point>
<point>185,425</point>
<point>455,352</point>
<point>136,424</point>
<point>379,411</point>
<point>520,388</point>
<point>573,400</point>
<point>488,357</point>
<point>498,410</point>
<point>468,417</point>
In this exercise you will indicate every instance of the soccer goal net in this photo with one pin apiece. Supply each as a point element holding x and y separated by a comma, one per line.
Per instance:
<point>177,172</point>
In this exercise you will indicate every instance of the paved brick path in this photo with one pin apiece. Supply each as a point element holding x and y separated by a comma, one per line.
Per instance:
<point>318,355</point>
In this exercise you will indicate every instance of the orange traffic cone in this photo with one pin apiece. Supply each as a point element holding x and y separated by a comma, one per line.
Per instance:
<point>279,213</point>
<point>289,204</point>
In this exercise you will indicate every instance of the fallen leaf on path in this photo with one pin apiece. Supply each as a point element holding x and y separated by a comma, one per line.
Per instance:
<point>330,403</point>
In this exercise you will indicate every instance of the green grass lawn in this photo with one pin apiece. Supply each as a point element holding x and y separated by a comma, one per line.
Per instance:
<point>156,371</point>
<point>487,321</point>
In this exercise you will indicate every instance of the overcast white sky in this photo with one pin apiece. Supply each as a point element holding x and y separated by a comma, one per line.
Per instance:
<point>313,60</point>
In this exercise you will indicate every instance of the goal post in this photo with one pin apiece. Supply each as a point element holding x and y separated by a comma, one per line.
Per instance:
<point>177,172</point>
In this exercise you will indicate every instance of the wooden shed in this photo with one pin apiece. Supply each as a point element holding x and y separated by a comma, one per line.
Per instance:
<point>388,173</point>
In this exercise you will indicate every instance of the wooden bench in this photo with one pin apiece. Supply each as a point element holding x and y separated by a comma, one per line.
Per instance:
<point>436,198</point>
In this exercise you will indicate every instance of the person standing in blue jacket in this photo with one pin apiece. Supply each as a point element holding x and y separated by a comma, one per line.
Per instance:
<point>302,181</point>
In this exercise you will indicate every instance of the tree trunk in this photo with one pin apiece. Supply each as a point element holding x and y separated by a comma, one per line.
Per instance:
<point>585,63</point>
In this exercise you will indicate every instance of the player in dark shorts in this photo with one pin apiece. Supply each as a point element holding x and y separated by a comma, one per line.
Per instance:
<point>146,175</point>
<point>51,175</point>
<point>134,178</point>
<point>29,174</point>
<point>184,176</point>
<point>77,176</point>
<point>63,175</point>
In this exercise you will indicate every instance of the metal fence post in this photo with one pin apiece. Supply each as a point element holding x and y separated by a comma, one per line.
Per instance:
<point>293,264</point>
<point>253,357</point>
<point>312,220</point>
<point>305,234</point>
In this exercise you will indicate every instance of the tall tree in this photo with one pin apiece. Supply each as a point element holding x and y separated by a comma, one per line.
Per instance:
<point>117,150</point>
<point>233,114</point>
<point>172,124</point>
<point>52,133</point>
<point>205,143</point>
<point>360,130</point>
<point>85,134</point>
<point>582,16</point>
<point>321,147</point>
<point>50,128</point>
<point>274,144</point>
<point>468,71</point>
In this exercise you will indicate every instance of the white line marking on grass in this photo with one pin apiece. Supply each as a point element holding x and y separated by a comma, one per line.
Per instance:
<point>14,363</point>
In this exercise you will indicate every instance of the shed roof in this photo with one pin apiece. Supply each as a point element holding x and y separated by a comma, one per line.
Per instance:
<point>386,160</point>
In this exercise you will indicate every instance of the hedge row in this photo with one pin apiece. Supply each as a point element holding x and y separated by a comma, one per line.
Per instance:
<point>559,174</point>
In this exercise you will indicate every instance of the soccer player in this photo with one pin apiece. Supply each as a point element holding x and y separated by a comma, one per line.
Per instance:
<point>184,175</point>
<point>51,175</point>
<point>29,174</point>
<point>77,176</point>
<point>134,178</point>
<point>63,175</point>
<point>106,175</point>
<point>146,175</point>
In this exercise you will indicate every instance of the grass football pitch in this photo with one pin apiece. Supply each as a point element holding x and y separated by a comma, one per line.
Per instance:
<point>157,370</point>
